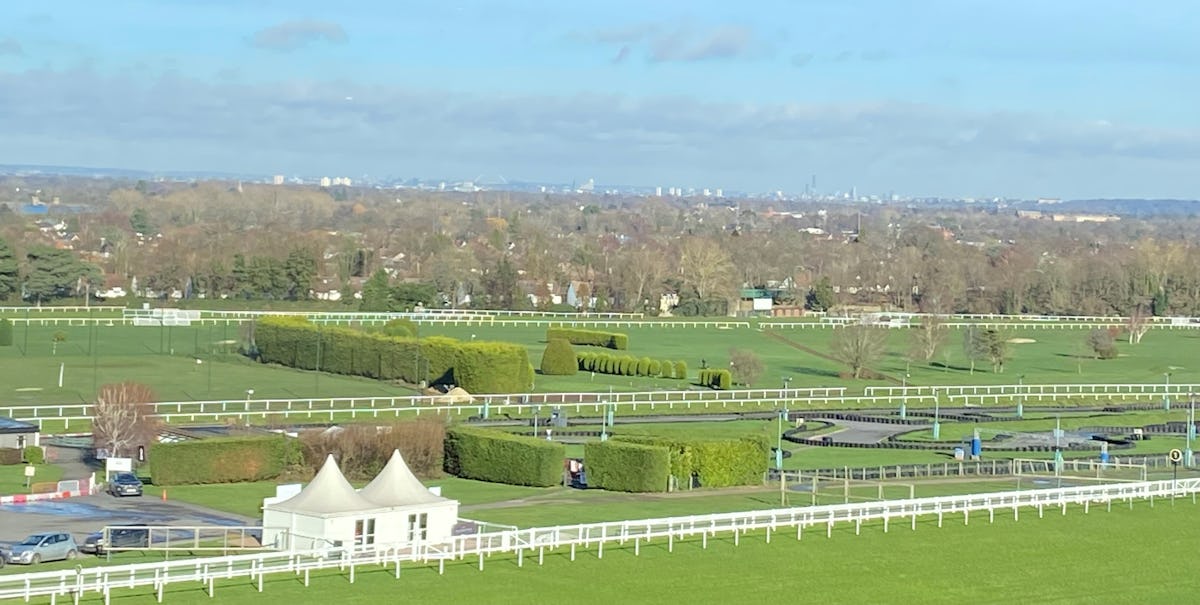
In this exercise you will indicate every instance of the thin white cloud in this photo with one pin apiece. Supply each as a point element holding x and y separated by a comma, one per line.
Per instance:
<point>10,46</point>
<point>660,43</point>
<point>255,126</point>
<point>293,35</point>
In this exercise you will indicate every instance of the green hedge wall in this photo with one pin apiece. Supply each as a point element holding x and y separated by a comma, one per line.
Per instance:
<point>488,455</point>
<point>595,338</point>
<point>477,366</point>
<point>627,365</point>
<point>717,379</point>
<point>717,462</point>
<point>232,460</point>
<point>627,467</point>
<point>6,333</point>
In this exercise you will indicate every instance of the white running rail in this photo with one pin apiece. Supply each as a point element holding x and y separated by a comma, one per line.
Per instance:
<point>208,570</point>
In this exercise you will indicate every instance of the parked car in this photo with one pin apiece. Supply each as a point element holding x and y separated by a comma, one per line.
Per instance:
<point>125,484</point>
<point>132,536</point>
<point>43,547</point>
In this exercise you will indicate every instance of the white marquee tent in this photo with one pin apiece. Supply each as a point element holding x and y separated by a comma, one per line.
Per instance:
<point>394,509</point>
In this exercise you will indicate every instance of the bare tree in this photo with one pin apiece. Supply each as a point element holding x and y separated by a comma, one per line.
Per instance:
<point>745,365</point>
<point>927,337</point>
<point>123,418</point>
<point>1138,324</point>
<point>707,268</point>
<point>859,347</point>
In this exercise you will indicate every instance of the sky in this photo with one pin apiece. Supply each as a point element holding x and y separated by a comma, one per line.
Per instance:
<point>1022,98</point>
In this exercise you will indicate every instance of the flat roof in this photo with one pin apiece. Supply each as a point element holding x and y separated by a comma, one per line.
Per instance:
<point>9,426</point>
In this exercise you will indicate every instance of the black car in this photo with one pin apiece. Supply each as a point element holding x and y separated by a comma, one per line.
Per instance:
<point>133,536</point>
<point>125,484</point>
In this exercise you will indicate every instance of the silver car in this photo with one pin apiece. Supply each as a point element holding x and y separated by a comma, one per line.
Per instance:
<point>43,547</point>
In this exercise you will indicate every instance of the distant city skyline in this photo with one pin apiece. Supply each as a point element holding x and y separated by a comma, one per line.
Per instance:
<point>951,98</point>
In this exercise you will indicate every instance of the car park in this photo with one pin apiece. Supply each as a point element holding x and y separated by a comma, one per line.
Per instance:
<point>119,537</point>
<point>37,548</point>
<point>125,484</point>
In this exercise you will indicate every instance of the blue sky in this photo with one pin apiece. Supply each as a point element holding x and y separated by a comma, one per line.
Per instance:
<point>932,97</point>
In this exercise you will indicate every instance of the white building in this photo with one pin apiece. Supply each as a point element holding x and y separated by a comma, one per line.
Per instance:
<point>393,510</point>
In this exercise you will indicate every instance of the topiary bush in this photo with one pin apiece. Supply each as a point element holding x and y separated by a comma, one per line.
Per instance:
<point>681,370</point>
<point>232,460</point>
<point>627,467</point>
<point>713,462</point>
<point>488,455</point>
<point>559,359</point>
<point>34,455</point>
<point>404,328</point>
<point>595,338</point>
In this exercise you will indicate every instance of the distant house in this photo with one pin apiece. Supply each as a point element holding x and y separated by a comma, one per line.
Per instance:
<point>579,294</point>
<point>754,301</point>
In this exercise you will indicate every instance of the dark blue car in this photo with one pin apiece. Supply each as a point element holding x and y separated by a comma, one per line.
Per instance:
<point>125,484</point>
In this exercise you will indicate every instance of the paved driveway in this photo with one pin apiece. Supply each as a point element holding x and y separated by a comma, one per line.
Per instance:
<point>84,515</point>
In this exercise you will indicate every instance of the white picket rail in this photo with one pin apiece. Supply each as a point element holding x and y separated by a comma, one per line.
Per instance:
<point>207,570</point>
<point>797,399</point>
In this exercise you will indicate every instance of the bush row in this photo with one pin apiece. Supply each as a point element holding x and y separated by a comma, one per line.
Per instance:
<point>231,460</point>
<point>6,333</point>
<point>713,462</point>
<point>477,366</point>
<point>489,455</point>
<point>595,338</point>
<point>716,378</point>
<point>628,365</point>
<point>627,467</point>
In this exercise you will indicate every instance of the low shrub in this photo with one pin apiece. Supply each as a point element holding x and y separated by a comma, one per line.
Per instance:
<point>559,359</point>
<point>594,338</point>
<point>228,460</point>
<point>627,467</point>
<point>489,455</point>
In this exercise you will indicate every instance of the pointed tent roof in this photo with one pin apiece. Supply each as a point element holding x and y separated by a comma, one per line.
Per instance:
<point>327,493</point>
<point>396,485</point>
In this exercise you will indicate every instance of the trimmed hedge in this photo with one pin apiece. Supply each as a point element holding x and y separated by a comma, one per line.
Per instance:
<point>488,455</point>
<point>595,338</point>
<point>231,460</point>
<point>627,467</point>
<point>716,378</point>
<point>559,359</point>
<point>405,328</point>
<point>714,462</point>
<point>627,365</point>
<point>477,366</point>
<point>6,333</point>
<point>10,455</point>
<point>34,454</point>
<point>681,370</point>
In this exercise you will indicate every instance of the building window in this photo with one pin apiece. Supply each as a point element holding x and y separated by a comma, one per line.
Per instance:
<point>417,527</point>
<point>364,532</point>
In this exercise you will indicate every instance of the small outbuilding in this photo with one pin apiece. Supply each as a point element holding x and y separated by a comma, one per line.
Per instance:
<point>394,510</point>
<point>18,434</point>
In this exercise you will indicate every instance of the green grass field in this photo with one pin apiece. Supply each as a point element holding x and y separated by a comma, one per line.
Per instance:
<point>1058,559</point>
<point>165,358</point>
<point>12,477</point>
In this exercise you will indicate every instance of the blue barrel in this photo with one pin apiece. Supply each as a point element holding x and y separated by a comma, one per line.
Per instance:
<point>976,446</point>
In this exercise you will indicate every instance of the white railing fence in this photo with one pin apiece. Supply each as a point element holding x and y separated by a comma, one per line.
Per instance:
<point>206,571</point>
<point>795,399</point>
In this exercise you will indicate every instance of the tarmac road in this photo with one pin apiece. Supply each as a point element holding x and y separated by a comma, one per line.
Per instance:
<point>86,514</point>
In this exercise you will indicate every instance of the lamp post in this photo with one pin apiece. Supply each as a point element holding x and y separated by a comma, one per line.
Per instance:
<point>1058,457</point>
<point>1191,430</point>
<point>1021,393</point>
<point>779,441</point>
<point>937,426</point>
<point>1167,392</point>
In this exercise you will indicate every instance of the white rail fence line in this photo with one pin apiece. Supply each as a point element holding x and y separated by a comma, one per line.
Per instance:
<point>206,571</point>
<point>796,399</point>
